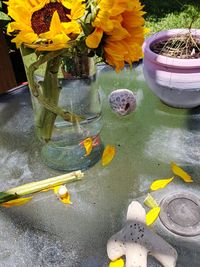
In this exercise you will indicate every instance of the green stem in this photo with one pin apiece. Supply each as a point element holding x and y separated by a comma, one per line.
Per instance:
<point>46,98</point>
<point>36,187</point>
<point>45,118</point>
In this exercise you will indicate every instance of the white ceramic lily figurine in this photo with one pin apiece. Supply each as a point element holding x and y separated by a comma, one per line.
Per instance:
<point>136,241</point>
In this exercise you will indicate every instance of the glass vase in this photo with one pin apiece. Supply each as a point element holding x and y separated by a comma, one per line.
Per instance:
<point>67,107</point>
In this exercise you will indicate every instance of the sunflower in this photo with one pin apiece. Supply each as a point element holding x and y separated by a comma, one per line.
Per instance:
<point>45,25</point>
<point>118,26</point>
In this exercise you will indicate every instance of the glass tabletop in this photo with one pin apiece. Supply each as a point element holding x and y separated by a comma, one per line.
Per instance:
<point>45,232</point>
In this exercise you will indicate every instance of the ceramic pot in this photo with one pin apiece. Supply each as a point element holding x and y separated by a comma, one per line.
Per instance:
<point>175,81</point>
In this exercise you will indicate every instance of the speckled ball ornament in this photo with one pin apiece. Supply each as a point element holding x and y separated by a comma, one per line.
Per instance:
<point>122,101</point>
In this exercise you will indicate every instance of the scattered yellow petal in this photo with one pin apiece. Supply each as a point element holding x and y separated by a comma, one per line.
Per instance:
<point>50,188</point>
<point>158,184</point>
<point>181,173</point>
<point>150,202</point>
<point>47,189</point>
<point>117,263</point>
<point>16,202</point>
<point>63,194</point>
<point>87,143</point>
<point>66,200</point>
<point>152,215</point>
<point>108,154</point>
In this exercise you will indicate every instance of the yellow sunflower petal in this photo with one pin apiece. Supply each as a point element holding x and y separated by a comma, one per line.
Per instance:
<point>25,37</point>
<point>77,10</point>
<point>66,200</point>
<point>181,173</point>
<point>16,26</point>
<point>152,215</point>
<point>119,33</point>
<point>115,53</point>
<point>162,183</point>
<point>55,26</point>
<point>106,4</point>
<point>117,263</point>
<point>87,143</point>
<point>71,27</point>
<point>16,202</point>
<point>103,22</point>
<point>30,37</point>
<point>48,189</point>
<point>108,154</point>
<point>38,5</point>
<point>93,40</point>
<point>150,202</point>
<point>20,13</point>
<point>62,193</point>
<point>60,39</point>
<point>115,50</point>
<point>117,64</point>
<point>67,3</point>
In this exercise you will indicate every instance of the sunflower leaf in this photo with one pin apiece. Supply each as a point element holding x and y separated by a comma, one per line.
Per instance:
<point>3,16</point>
<point>4,197</point>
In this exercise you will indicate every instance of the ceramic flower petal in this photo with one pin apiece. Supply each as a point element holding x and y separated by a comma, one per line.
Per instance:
<point>87,143</point>
<point>108,154</point>
<point>181,173</point>
<point>16,202</point>
<point>150,202</point>
<point>159,184</point>
<point>117,263</point>
<point>152,215</point>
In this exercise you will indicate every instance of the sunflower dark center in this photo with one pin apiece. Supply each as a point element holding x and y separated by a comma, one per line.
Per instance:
<point>41,19</point>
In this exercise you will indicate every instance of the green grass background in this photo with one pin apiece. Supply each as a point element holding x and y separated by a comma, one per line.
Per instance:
<point>169,14</point>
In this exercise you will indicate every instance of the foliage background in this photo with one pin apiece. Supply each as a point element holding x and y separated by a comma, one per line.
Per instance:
<point>162,15</point>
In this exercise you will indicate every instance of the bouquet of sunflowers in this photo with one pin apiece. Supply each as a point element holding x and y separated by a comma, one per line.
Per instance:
<point>109,29</point>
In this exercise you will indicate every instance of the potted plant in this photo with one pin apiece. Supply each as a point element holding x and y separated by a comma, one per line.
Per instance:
<point>171,66</point>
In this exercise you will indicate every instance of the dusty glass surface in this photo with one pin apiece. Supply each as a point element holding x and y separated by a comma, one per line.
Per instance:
<point>45,232</point>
